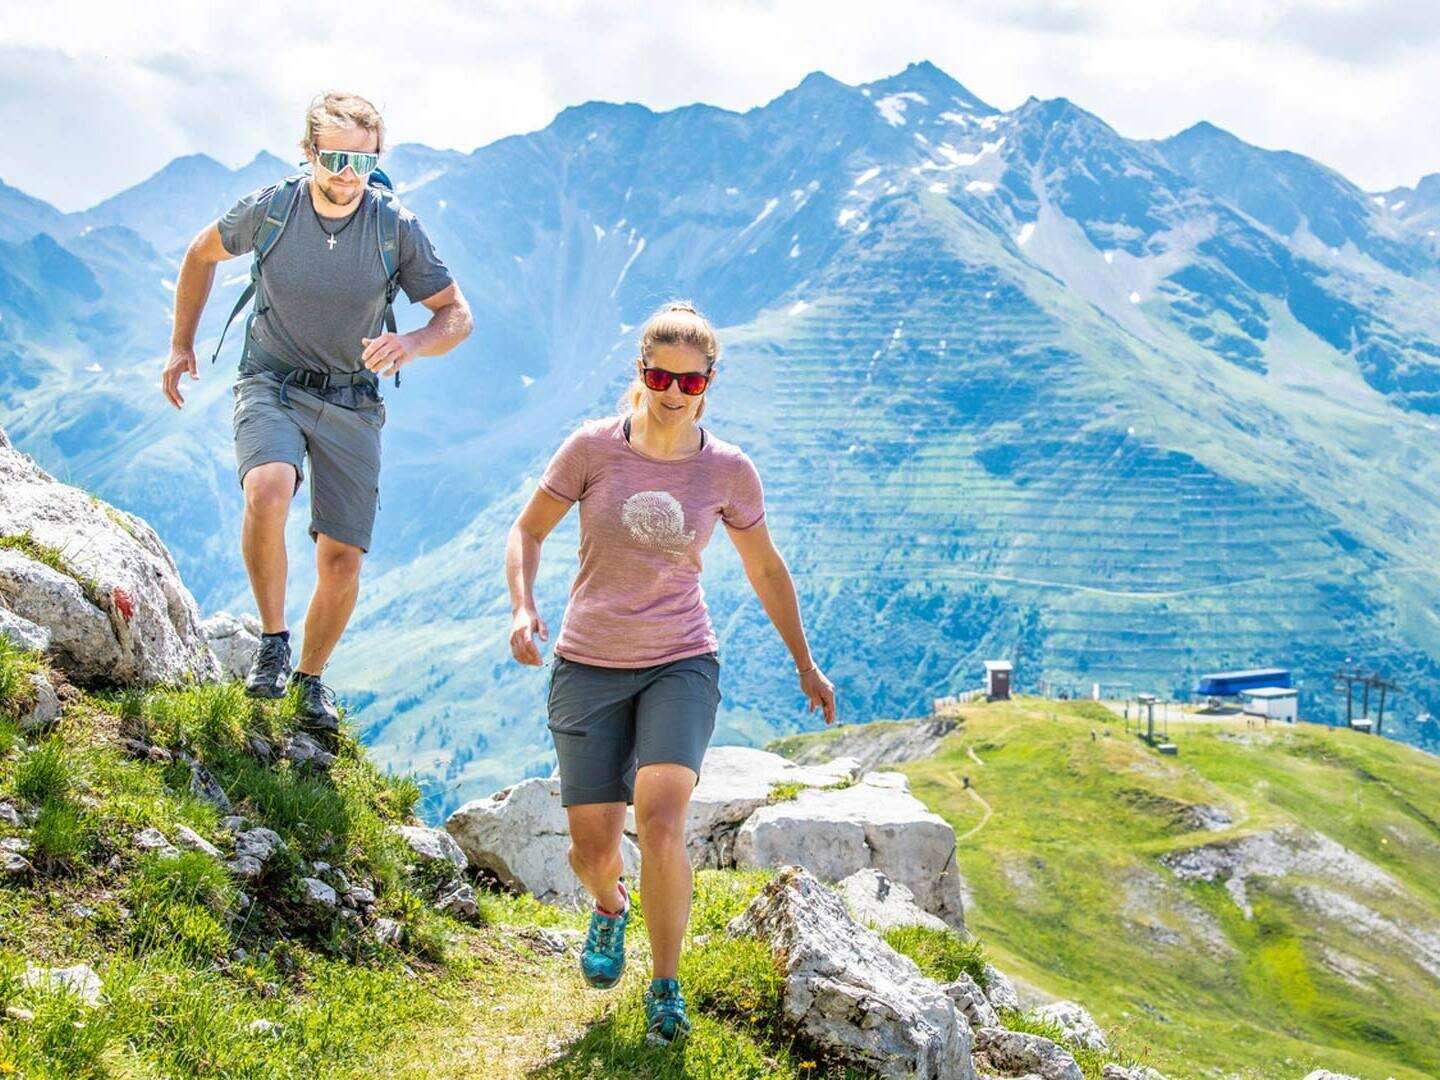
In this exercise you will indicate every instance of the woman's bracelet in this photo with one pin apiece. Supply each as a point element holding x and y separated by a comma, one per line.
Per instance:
<point>807,671</point>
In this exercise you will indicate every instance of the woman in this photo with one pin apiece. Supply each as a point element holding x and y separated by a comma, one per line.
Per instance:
<point>636,677</point>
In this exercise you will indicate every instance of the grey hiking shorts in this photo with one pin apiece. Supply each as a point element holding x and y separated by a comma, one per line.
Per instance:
<point>608,722</point>
<point>337,428</point>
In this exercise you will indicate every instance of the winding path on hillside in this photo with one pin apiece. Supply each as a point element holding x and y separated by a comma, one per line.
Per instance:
<point>987,811</point>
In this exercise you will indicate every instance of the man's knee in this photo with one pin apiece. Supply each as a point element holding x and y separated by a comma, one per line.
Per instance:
<point>335,561</point>
<point>269,489</point>
<point>660,825</point>
<point>589,854</point>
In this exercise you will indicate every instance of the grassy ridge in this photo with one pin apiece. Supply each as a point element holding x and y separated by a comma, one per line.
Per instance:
<point>1067,891</point>
<point>198,981</point>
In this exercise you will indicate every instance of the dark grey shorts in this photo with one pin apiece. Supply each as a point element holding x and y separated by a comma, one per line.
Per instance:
<point>608,722</point>
<point>338,429</point>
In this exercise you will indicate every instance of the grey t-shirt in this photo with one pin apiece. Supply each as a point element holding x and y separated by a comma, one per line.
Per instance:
<point>320,301</point>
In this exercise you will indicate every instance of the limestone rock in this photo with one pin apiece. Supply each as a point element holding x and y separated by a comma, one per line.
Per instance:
<point>999,990</point>
<point>303,747</point>
<point>10,816</point>
<point>23,632</point>
<point>970,999</point>
<point>1326,1074</point>
<point>1013,1052</point>
<point>880,903</point>
<point>13,864</point>
<point>875,822</point>
<point>234,641</point>
<point>849,992</point>
<point>387,932</point>
<point>459,902</point>
<point>132,620</point>
<point>735,781</point>
<point>1136,1072</point>
<point>204,785</point>
<point>153,840</point>
<point>265,1027</point>
<point>187,837</point>
<point>522,836</point>
<point>46,709</point>
<point>253,849</point>
<point>79,980</point>
<point>1075,1021</point>
<point>432,845</point>
<point>318,895</point>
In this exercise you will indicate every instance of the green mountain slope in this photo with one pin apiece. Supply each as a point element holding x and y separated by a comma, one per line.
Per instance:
<point>1067,836</point>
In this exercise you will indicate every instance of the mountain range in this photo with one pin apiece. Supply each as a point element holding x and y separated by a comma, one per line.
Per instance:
<point>1121,411</point>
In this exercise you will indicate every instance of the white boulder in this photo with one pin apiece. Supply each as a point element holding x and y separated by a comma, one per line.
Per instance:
<point>735,781</point>
<point>522,836</point>
<point>1018,1052</point>
<point>234,641</point>
<point>849,992</point>
<point>22,632</point>
<point>873,823</point>
<point>880,903</point>
<point>1075,1021</point>
<point>125,616</point>
<point>432,845</point>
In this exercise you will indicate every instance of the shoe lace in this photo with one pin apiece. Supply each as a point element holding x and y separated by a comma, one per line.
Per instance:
<point>602,934</point>
<point>667,1003</point>
<point>272,655</point>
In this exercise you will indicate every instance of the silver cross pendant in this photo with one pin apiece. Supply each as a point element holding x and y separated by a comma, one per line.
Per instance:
<point>331,241</point>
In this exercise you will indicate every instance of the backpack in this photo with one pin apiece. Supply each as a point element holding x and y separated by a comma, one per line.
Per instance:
<point>277,209</point>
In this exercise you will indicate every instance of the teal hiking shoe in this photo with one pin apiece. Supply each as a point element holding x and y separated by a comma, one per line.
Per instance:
<point>602,961</point>
<point>666,1021</point>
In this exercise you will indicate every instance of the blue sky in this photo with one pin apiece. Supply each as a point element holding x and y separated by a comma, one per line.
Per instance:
<point>1350,82</point>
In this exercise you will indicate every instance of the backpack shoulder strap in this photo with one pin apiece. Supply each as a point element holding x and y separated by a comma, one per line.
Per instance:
<point>387,229</point>
<point>277,207</point>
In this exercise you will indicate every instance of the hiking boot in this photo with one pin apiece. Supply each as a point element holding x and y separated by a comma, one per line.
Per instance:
<point>602,961</point>
<point>316,709</point>
<point>270,669</point>
<point>666,1021</point>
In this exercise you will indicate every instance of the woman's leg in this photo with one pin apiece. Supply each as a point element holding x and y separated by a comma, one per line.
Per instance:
<point>595,832</point>
<point>662,795</point>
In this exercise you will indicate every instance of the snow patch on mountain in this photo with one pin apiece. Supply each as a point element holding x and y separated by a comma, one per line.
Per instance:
<point>892,107</point>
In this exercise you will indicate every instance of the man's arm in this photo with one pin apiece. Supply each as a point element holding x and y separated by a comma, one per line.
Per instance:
<point>192,289</point>
<point>450,323</point>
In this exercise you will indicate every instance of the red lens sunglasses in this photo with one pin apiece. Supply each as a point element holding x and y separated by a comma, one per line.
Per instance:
<point>692,383</point>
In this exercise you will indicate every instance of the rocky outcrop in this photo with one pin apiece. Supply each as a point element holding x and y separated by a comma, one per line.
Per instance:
<point>234,641</point>
<point>23,632</point>
<point>1018,1053</point>
<point>522,836</point>
<point>1277,853</point>
<point>878,902</point>
<point>432,845</point>
<point>1075,1021</point>
<point>735,781</point>
<point>850,993</point>
<point>874,823</point>
<point>112,603</point>
<point>872,745</point>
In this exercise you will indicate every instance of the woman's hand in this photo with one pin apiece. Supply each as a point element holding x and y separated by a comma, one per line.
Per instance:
<point>524,629</point>
<point>820,692</point>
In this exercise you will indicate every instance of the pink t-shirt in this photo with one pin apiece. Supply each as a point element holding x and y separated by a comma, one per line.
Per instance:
<point>637,600</point>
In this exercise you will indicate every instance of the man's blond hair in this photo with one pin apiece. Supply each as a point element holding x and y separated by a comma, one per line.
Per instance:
<point>336,109</point>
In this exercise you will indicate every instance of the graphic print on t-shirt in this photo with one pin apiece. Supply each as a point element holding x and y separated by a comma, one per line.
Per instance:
<point>656,520</point>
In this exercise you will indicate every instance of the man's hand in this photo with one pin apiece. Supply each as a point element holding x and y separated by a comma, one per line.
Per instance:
<point>524,629</point>
<point>388,353</point>
<point>181,361</point>
<point>820,692</point>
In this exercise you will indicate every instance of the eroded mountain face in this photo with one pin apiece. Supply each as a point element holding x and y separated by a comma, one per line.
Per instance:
<point>1119,411</point>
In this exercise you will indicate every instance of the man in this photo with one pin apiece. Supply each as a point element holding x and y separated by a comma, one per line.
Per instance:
<point>308,386</point>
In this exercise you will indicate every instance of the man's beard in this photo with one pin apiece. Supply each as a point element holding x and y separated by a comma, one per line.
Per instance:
<point>328,190</point>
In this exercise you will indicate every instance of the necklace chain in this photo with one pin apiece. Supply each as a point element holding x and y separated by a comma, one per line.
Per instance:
<point>330,236</point>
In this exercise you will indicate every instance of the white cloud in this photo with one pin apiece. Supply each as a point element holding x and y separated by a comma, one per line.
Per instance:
<point>1339,80</point>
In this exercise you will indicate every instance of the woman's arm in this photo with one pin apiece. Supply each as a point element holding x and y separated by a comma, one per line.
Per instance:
<point>522,561</point>
<point>770,578</point>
